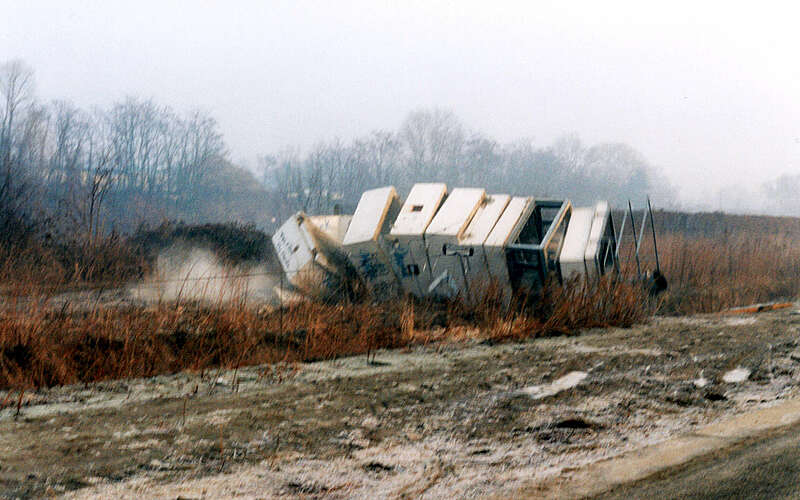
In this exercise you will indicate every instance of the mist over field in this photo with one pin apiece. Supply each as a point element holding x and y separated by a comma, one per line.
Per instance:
<point>693,104</point>
<point>141,162</point>
<point>155,343</point>
<point>90,171</point>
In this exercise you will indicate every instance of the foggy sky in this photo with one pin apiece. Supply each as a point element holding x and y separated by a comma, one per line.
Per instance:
<point>708,92</point>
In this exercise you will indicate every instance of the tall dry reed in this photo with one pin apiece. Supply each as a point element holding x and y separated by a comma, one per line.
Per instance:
<point>709,275</point>
<point>44,345</point>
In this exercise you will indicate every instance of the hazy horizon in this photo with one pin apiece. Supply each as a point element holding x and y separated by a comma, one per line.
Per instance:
<point>707,93</point>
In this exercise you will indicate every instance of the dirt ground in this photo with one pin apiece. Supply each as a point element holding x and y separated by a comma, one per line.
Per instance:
<point>442,421</point>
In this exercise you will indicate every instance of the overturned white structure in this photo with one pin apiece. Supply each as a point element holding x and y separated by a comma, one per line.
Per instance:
<point>457,244</point>
<point>309,249</point>
<point>365,242</point>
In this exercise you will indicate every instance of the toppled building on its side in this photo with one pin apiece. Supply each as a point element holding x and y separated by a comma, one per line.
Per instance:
<point>440,244</point>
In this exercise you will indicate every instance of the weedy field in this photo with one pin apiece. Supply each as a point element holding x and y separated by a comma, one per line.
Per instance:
<point>42,345</point>
<point>716,261</point>
<point>58,326</point>
<point>459,419</point>
<point>123,371</point>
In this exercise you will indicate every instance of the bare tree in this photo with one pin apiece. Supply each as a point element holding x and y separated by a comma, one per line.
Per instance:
<point>377,157</point>
<point>617,171</point>
<point>481,163</point>
<point>98,183</point>
<point>433,141</point>
<point>70,130</point>
<point>203,151</point>
<point>16,97</point>
<point>16,92</point>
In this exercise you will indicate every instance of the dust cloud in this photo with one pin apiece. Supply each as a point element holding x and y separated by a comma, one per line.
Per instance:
<point>184,273</point>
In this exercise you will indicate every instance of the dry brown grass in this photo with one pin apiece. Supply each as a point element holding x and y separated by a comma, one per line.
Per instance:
<point>709,275</point>
<point>43,346</point>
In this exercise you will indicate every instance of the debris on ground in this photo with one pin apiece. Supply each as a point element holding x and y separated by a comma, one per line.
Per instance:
<point>736,375</point>
<point>568,381</point>
<point>443,420</point>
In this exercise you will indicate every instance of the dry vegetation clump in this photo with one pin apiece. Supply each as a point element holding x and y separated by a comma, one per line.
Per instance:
<point>51,259</point>
<point>43,346</point>
<point>713,274</point>
<point>60,261</point>
<point>717,261</point>
<point>232,243</point>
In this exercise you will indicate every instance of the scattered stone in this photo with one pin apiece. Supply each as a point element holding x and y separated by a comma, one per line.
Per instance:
<point>736,375</point>
<point>700,382</point>
<point>568,381</point>
<point>781,368</point>
<point>795,355</point>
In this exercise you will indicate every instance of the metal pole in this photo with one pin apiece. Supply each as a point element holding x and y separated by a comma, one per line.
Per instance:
<point>635,241</point>
<point>614,255</point>
<point>653,227</point>
<point>620,235</point>
<point>464,275</point>
<point>280,307</point>
<point>641,236</point>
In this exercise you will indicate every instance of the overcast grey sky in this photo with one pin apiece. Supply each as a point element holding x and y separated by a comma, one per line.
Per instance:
<point>708,91</point>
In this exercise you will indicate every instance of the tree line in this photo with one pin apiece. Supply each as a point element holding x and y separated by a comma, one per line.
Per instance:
<point>89,167</point>
<point>433,145</point>
<point>138,161</point>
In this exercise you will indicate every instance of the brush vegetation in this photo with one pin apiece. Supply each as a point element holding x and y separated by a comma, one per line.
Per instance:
<point>712,261</point>
<point>41,345</point>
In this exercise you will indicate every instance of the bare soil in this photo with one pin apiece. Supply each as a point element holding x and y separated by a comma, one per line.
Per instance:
<point>455,420</point>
